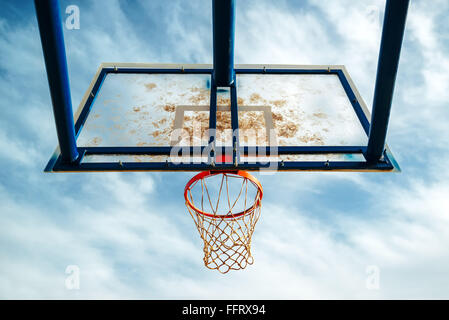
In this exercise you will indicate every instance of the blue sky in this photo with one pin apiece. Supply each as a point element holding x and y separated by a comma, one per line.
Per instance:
<point>130,233</point>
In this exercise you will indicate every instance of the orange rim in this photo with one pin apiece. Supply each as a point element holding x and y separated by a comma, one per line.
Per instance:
<point>205,174</point>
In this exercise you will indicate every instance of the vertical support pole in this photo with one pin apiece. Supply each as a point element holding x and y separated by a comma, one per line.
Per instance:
<point>212,124</point>
<point>223,20</point>
<point>235,126</point>
<point>52,38</point>
<point>390,50</point>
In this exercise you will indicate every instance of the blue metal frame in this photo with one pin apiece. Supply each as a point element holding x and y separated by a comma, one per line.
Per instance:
<point>387,163</point>
<point>235,123</point>
<point>390,51</point>
<point>70,158</point>
<point>212,122</point>
<point>223,21</point>
<point>52,38</point>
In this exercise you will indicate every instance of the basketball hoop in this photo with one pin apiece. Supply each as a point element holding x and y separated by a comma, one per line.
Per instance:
<point>226,232</point>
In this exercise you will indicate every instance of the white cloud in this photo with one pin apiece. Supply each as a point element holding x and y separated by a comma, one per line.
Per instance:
<point>435,68</point>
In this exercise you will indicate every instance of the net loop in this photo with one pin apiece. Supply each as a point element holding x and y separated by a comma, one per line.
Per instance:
<point>225,225</point>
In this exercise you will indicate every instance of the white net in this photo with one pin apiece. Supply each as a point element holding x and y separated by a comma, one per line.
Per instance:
<point>225,207</point>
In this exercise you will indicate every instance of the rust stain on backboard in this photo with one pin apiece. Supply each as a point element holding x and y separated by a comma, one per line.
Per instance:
<point>251,120</point>
<point>221,101</point>
<point>255,98</point>
<point>201,95</point>
<point>278,103</point>
<point>150,86</point>
<point>320,115</point>
<point>95,141</point>
<point>314,138</point>
<point>277,117</point>
<point>288,130</point>
<point>169,108</point>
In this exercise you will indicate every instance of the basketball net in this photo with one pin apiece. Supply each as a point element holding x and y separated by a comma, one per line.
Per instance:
<point>226,234</point>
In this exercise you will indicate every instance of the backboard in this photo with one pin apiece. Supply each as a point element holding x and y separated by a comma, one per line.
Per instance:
<point>152,117</point>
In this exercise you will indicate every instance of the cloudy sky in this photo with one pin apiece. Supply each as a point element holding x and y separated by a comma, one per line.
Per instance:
<point>321,235</point>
